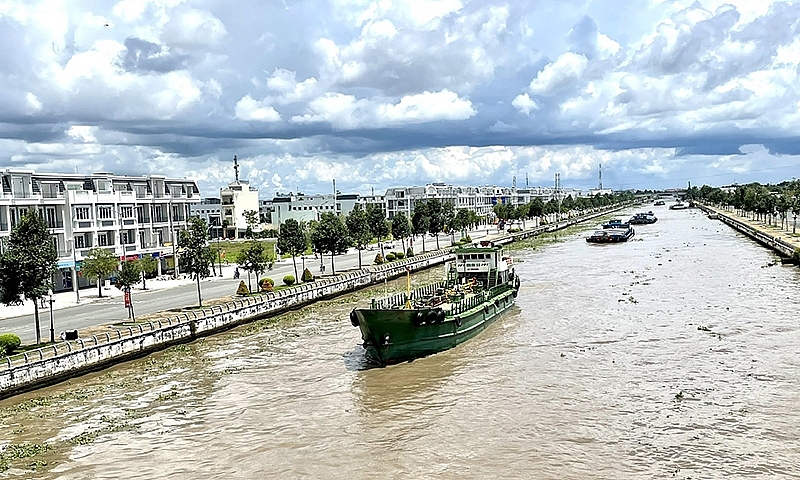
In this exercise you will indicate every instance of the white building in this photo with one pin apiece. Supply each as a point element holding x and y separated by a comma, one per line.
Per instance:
<point>129,216</point>
<point>237,198</point>
<point>304,208</point>
<point>210,210</point>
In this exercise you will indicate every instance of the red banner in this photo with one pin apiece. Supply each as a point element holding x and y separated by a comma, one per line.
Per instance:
<point>127,298</point>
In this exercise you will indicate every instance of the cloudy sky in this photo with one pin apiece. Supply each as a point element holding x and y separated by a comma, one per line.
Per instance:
<point>381,93</point>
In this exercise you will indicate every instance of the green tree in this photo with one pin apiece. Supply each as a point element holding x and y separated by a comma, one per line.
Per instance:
<point>99,263</point>
<point>448,218</point>
<point>253,258</point>
<point>330,236</point>
<point>146,265</point>
<point>196,255</point>
<point>129,275</point>
<point>420,220</point>
<point>358,228</point>
<point>292,240</point>
<point>378,223</point>
<point>462,220</point>
<point>28,264</point>
<point>435,212</point>
<point>401,228</point>
<point>251,217</point>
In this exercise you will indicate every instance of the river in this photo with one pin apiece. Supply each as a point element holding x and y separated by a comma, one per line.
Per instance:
<point>675,355</point>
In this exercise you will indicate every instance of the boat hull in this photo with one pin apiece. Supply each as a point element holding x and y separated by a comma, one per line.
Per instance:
<point>396,335</point>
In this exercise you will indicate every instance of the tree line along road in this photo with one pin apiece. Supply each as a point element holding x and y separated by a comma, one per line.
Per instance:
<point>110,310</point>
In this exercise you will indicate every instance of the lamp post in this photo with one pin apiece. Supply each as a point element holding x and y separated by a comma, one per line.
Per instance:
<point>219,256</point>
<point>52,329</point>
<point>75,271</point>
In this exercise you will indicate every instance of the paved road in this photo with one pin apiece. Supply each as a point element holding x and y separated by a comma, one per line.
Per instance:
<point>109,310</point>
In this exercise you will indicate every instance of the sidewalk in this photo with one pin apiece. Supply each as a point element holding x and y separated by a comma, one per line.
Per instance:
<point>785,236</point>
<point>89,295</point>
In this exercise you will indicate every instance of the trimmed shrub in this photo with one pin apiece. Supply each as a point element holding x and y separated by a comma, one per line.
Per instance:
<point>9,342</point>
<point>409,252</point>
<point>242,290</point>
<point>399,255</point>
<point>266,284</point>
<point>288,280</point>
<point>307,276</point>
<point>390,257</point>
<point>379,259</point>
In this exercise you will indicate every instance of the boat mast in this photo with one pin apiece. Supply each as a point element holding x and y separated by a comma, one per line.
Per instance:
<point>408,288</point>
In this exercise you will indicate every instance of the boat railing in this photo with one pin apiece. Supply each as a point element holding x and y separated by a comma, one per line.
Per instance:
<point>399,300</point>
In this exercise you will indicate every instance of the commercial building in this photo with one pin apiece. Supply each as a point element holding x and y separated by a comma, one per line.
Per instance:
<point>130,216</point>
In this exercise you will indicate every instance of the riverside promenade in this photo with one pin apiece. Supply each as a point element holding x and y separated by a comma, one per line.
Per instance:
<point>781,240</point>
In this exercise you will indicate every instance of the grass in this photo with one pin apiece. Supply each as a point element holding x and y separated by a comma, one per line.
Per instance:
<point>232,249</point>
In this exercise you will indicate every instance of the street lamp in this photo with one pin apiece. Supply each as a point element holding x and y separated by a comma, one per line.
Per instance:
<point>75,271</point>
<point>52,330</point>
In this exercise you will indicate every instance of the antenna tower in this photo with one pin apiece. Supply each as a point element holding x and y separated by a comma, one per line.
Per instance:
<point>600,185</point>
<point>236,169</point>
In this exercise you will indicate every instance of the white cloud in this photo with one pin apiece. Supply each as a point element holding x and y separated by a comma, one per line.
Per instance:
<point>525,104</point>
<point>249,109</point>
<point>561,74</point>
<point>682,72</point>
<point>191,27</point>
<point>427,106</point>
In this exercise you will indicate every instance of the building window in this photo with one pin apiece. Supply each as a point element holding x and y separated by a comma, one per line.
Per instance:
<point>102,240</point>
<point>80,241</point>
<point>82,213</point>
<point>104,213</point>
<point>126,212</point>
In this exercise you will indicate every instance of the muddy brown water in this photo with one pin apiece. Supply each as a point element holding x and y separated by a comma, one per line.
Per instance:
<point>674,355</point>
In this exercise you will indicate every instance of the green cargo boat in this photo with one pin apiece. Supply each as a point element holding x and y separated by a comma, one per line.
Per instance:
<point>480,285</point>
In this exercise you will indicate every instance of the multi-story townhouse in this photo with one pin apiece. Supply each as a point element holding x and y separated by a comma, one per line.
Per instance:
<point>237,198</point>
<point>210,210</point>
<point>130,216</point>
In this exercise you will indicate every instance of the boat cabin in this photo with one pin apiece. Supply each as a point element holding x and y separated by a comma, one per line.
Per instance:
<point>484,264</point>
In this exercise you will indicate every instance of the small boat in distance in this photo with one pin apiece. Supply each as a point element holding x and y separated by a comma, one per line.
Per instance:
<point>643,219</point>
<point>614,231</point>
<point>479,286</point>
<point>615,223</point>
<point>678,206</point>
<point>659,203</point>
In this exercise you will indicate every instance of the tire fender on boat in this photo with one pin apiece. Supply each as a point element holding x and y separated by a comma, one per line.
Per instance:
<point>486,309</point>
<point>431,317</point>
<point>440,316</point>
<point>458,321</point>
<point>353,318</point>
<point>419,318</point>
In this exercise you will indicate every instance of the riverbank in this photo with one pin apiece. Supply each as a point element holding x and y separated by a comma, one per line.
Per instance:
<point>783,242</point>
<point>63,360</point>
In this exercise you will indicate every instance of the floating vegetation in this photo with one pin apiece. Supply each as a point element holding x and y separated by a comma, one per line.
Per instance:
<point>679,396</point>
<point>14,452</point>
<point>703,329</point>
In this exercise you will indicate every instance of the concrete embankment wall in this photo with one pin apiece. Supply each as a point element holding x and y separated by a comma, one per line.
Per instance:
<point>780,246</point>
<point>53,364</point>
<point>64,360</point>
